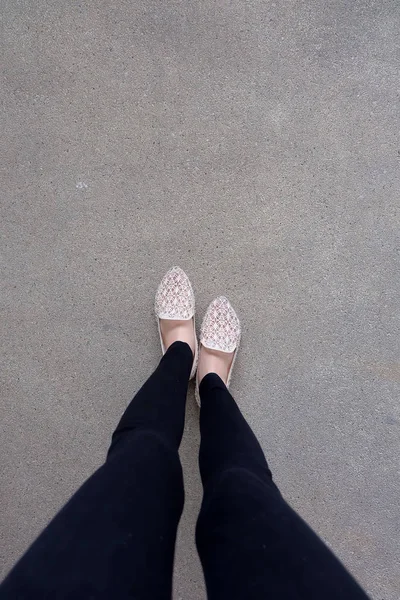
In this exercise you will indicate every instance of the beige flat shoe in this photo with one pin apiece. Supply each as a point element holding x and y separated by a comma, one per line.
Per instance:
<point>221,331</point>
<point>175,301</point>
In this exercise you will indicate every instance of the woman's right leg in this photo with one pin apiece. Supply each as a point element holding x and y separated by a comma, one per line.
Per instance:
<point>251,543</point>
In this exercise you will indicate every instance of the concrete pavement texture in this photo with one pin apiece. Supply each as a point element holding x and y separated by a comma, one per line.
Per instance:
<point>256,145</point>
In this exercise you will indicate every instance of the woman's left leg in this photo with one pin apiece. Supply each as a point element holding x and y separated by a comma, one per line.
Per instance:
<point>115,538</point>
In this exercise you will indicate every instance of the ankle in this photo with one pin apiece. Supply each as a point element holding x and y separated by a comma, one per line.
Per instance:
<point>177,331</point>
<point>214,361</point>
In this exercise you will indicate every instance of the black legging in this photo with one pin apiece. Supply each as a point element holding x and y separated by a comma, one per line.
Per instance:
<point>115,538</point>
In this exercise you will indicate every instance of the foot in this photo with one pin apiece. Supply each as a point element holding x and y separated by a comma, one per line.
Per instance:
<point>219,340</point>
<point>174,308</point>
<point>214,361</point>
<point>177,331</point>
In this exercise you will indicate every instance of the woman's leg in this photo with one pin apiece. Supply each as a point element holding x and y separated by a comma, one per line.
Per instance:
<point>115,538</point>
<point>251,543</point>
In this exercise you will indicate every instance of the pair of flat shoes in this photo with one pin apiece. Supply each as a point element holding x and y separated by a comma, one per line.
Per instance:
<point>220,329</point>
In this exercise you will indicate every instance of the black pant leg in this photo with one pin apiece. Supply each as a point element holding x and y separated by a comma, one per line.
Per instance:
<point>115,538</point>
<point>251,543</point>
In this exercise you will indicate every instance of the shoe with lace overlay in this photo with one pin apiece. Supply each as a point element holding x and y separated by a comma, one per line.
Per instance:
<point>175,302</point>
<point>220,331</point>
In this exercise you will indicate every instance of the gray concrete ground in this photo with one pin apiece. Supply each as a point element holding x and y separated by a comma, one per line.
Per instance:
<point>256,145</point>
